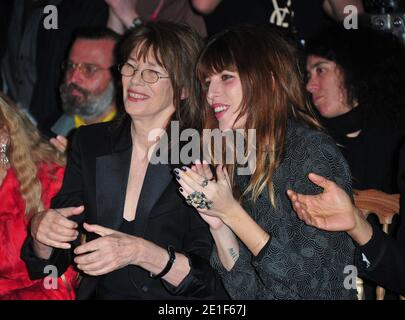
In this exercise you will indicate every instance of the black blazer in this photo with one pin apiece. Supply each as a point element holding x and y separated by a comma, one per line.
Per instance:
<point>401,184</point>
<point>385,261</point>
<point>385,255</point>
<point>96,176</point>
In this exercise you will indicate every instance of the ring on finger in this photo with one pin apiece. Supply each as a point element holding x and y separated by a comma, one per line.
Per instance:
<point>199,200</point>
<point>204,183</point>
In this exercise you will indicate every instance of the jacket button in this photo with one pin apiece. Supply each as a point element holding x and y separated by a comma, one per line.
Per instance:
<point>144,288</point>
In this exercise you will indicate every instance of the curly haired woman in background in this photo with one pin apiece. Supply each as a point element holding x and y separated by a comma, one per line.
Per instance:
<point>31,172</point>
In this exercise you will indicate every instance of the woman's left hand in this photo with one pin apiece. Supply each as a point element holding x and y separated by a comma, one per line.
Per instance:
<point>217,193</point>
<point>112,251</point>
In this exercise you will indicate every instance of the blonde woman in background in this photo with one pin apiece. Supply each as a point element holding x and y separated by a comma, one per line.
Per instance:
<point>31,172</point>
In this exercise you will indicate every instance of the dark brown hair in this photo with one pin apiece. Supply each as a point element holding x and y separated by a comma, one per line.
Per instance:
<point>273,92</point>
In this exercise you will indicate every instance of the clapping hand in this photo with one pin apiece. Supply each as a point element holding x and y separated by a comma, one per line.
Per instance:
<point>212,198</point>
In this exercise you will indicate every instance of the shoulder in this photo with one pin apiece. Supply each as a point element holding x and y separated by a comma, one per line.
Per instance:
<point>382,129</point>
<point>49,170</point>
<point>302,139</point>
<point>95,129</point>
<point>102,137</point>
<point>309,151</point>
<point>50,174</point>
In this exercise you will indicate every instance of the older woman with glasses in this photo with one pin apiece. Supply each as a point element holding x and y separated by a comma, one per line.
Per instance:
<point>143,241</point>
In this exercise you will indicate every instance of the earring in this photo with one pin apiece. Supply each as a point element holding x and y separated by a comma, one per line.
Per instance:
<point>3,157</point>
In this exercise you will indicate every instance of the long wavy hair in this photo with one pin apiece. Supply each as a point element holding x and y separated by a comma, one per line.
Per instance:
<point>26,151</point>
<point>273,92</point>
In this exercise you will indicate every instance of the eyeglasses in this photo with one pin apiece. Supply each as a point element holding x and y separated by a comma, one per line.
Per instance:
<point>147,75</point>
<point>88,70</point>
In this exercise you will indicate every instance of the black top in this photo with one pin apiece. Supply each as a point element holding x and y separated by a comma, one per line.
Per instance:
<point>373,154</point>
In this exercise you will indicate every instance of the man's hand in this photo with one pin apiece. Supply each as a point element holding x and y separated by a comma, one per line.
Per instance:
<point>332,210</point>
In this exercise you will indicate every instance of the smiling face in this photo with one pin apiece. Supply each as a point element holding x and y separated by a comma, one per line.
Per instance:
<point>224,95</point>
<point>325,83</point>
<point>147,101</point>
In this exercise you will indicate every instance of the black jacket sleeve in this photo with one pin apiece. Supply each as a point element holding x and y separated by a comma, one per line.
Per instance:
<point>382,260</point>
<point>69,195</point>
<point>202,282</point>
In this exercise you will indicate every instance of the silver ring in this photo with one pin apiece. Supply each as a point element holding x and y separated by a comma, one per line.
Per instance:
<point>204,183</point>
<point>199,200</point>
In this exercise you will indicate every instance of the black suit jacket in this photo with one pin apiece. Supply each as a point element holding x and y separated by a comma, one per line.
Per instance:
<point>96,176</point>
<point>385,255</point>
<point>401,184</point>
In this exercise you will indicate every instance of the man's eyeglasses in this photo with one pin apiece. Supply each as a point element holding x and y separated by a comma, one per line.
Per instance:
<point>88,70</point>
<point>147,75</point>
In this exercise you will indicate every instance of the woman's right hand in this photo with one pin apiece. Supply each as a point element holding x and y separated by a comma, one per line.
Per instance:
<point>53,228</point>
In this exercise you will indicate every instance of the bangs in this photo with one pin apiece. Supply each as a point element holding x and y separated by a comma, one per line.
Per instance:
<point>215,58</point>
<point>144,49</point>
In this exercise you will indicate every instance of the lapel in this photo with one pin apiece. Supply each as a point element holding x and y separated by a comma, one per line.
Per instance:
<point>112,170</point>
<point>157,178</point>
